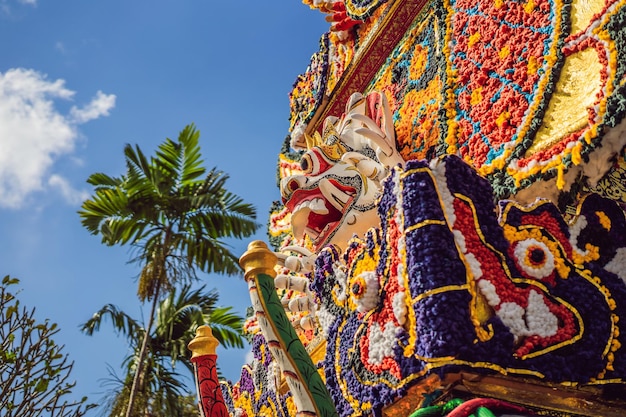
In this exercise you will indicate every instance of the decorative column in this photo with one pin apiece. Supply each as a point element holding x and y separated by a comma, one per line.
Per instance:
<point>204,360</point>
<point>309,392</point>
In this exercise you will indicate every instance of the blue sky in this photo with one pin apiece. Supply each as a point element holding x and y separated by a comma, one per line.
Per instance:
<point>80,79</point>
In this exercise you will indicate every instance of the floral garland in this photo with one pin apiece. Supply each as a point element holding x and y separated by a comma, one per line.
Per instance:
<point>463,80</point>
<point>308,91</point>
<point>340,55</point>
<point>337,51</point>
<point>362,9</point>
<point>279,224</point>
<point>257,392</point>
<point>413,78</point>
<point>359,367</point>
<point>457,288</point>
<point>499,78</point>
<point>444,284</point>
<point>599,47</point>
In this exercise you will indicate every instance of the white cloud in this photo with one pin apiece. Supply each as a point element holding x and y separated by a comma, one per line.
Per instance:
<point>33,133</point>
<point>60,46</point>
<point>99,106</point>
<point>6,5</point>
<point>71,195</point>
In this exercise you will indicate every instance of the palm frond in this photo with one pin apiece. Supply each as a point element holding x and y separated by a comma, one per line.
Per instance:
<point>101,180</point>
<point>105,204</point>
<point>177,218</point>
<point>137,164</point>
<point>122,323</point>
<point>226,326</point>
<point>212,256</point>
<point>192,169</point>
<point>178,316</point>
<point>122,230</point>
<point>169,158</point>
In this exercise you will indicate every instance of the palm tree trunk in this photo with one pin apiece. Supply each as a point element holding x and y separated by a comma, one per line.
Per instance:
<point>142,353</point>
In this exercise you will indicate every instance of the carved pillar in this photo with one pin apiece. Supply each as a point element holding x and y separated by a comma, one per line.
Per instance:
<point>204,359</point>
<point>310,395</point>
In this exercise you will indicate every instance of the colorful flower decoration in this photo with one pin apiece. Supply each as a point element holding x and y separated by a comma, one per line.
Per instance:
<point>362,9</point>
<point>444,284</point>
<point>308,91</point>
<point>414,79</point>
<point>499,84</point>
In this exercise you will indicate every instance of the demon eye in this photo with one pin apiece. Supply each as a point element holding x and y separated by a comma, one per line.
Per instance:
<point>306,164</point>
<point>312,163</point>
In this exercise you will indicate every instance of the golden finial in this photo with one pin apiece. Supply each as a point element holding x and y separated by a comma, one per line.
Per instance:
<point>204,343</point>
<point>258,259</point>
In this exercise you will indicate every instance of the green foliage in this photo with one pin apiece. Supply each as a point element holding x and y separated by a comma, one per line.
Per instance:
<point>182,405</point>
<point>173,212</point>
<point>177,318</point>
<point>34,371</point>
<point>176,216</point>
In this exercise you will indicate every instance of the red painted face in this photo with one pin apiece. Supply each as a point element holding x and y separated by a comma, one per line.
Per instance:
<point>318,207</point>
<point>334,196</point>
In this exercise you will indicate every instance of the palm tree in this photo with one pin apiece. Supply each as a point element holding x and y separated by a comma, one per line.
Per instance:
<point>177,318</point>
<point>174,214</point>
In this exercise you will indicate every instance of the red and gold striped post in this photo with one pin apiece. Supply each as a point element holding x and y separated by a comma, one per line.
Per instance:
<point>204,360</point>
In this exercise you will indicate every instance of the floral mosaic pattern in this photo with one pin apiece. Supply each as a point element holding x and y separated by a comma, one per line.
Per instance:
<point>414,80</point>
<point>445,285</point>
<point>309,88</point>
<point>527,294</point>
<point>498,83</point>
<point>505,56</point>
<point>257,391</point>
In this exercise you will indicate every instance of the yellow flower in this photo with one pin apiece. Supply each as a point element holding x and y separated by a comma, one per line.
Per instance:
<point>473,39</point>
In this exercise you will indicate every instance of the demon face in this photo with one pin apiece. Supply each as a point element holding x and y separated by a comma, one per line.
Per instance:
<point>335,196</point>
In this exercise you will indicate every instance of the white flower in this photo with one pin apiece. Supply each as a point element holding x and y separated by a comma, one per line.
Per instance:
<point>575,229</point>
<point>618,264</point>
<point>399,307</point>
<point>368,297</point>
<point>535,320</point>
<point>447,200</point>
<point>474,265</point>
<point>381,342</point>
<point>325,319</point>
<point>488,290</point>
<point>340,276</point>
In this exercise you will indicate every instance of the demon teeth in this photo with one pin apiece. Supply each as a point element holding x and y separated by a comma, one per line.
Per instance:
<point>302,211</point>
<point>298,222</point>
<point>318,206</point>
<point>333,195</point>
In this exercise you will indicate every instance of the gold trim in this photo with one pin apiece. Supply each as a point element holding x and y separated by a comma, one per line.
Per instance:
<point>439,290</point>
<point>428,222</point>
